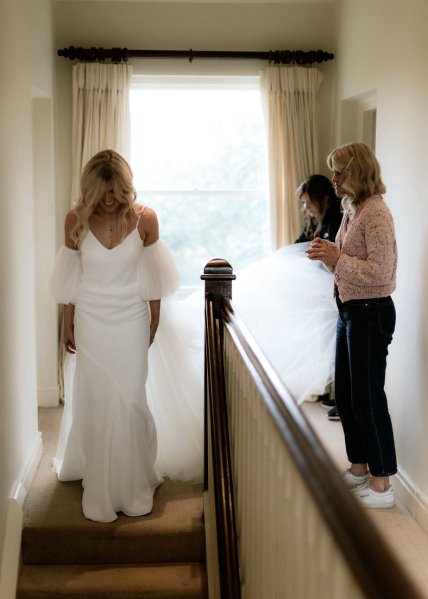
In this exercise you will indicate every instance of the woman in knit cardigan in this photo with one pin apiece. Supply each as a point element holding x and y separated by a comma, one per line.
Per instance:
<point>363,260</point>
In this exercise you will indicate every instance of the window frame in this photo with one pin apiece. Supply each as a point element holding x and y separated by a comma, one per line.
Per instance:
<point>175,82</point>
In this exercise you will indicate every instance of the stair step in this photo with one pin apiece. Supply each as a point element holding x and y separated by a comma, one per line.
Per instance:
<point>158,556</point>
<point>137,581</point>
<point>56,532</point>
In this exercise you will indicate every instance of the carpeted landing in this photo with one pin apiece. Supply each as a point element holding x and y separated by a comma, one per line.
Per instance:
<point>159,556</point>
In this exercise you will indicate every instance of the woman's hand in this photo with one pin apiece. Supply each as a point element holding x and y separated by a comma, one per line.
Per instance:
<point>325,251</point>
<point>154,318</point>
<point>153,328</point>
<point>69,343</point>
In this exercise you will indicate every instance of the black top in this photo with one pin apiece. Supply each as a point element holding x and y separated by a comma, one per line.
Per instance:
<point>329,228</point>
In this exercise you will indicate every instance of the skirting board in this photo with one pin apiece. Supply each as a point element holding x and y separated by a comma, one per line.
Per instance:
<point>11,551</point>
<point>48,397</point>
<point>415,502</point>
<point>10,555</point>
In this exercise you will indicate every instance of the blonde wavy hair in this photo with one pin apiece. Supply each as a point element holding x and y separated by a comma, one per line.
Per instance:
<point>104,167</point>
<point>362,177</point>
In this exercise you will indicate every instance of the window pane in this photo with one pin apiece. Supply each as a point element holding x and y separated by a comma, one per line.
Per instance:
<point>198,157</point>
<point>197,139</point>
<point>197,228</point>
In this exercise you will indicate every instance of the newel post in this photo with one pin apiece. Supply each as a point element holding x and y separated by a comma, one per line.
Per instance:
<point>218,276</point>
<point>218,484</point>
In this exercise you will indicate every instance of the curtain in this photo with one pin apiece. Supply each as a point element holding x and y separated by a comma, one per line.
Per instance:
<point>100,121</point>
<point>289,101</point>
<point>100,114</point>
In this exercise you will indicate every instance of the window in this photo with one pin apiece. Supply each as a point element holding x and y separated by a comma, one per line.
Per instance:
<point>198,157</point>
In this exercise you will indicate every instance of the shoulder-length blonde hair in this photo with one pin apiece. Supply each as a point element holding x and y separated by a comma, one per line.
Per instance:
<point>362,178</point>
<point>104,167</point>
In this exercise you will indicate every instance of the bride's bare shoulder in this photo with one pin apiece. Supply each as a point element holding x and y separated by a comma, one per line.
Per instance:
<point>70,217</point>
<point>148,225</point>
<point>137,209</point>
<point>70,221</point>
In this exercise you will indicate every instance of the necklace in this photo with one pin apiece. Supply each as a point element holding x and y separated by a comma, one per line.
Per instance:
<point>105,227</point>
<point>111,229</point>
<point>110,226</point>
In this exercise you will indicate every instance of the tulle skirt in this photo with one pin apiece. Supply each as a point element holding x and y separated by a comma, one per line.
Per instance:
<point>287,303</point>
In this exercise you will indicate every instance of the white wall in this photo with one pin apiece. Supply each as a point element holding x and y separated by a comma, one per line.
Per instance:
<point>383,46</point>
<point>45,241</point>
<point>23,35</point>
<point>42,88</point>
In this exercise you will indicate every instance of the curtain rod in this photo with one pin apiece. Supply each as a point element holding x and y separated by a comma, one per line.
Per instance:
<point>117,55</point>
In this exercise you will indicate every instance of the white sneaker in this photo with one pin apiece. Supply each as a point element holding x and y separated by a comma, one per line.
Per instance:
<point>370,498</point>
<point>355,481</point>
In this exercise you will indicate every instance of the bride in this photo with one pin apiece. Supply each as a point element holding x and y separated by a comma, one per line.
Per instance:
<point>110,275</point>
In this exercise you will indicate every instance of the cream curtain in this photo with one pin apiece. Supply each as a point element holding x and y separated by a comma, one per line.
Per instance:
<point>289,101</point>
<point>100,114</point>
<point>100,121</point>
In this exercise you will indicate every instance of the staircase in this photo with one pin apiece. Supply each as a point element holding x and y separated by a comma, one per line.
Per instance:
<point>159,556</point>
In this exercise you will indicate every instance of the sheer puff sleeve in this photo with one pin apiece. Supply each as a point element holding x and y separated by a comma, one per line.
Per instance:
<point>157,275</point>
<point>65,276</point>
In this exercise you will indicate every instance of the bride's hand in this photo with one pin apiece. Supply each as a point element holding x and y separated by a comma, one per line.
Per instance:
<point>153,328</point>
<point>69,343</point>
<point>325,251</point>
<point>154,318</point>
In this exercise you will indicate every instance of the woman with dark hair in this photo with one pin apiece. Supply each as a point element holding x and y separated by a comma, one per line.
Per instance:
<point>322,215</point>
<point>321,207</point>
<point>364,263</point>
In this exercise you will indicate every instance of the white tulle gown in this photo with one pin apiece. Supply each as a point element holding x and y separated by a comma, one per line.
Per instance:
<point>287,303</point>
<point>285,300</point>
<point>108,437</point>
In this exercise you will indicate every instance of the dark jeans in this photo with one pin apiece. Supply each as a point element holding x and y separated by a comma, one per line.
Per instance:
<point>364,331</point>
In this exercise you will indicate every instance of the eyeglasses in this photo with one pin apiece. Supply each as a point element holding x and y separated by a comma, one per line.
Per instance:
<point>340,173</point>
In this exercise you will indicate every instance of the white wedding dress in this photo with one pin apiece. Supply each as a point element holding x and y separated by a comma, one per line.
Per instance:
<point>285,300</point>
<point>108,435</point>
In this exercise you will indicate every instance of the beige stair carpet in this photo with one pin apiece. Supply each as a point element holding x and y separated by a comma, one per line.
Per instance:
<point>158,556</point>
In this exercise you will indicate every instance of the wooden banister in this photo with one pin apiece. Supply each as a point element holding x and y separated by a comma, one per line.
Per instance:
<point>218,277</point>
<point>238,373</point>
